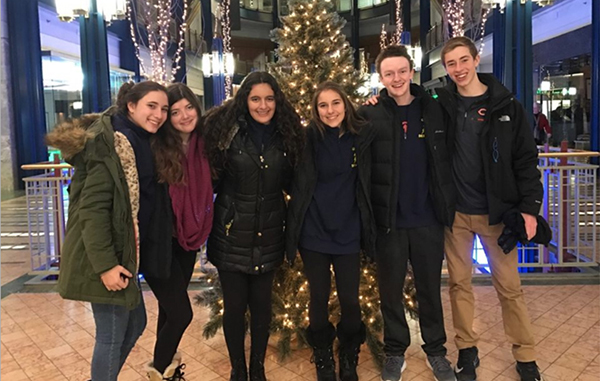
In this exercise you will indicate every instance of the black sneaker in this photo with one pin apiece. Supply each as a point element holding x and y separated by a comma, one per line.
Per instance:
<point>468,361</point>
<point>393,366</point>
<point>529,371</point>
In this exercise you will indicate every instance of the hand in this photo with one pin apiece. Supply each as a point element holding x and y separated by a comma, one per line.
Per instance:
<point>530,225</point>
<point>372,101</point>
<point>116,278</point>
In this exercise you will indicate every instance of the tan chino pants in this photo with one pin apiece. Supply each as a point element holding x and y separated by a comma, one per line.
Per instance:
<point>505,278</point>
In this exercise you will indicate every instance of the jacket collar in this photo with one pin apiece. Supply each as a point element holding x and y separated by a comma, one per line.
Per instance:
<point>498,93</point>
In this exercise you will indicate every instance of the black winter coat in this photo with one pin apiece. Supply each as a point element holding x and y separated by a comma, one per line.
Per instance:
<point>305,182</point>
<point>250,209</point>
<point>508,150</point>
<point>385,159</point>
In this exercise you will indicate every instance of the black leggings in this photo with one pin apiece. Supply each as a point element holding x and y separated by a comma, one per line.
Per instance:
<point>347,278</point>
<point>174,308</point>
<point>241,291</point>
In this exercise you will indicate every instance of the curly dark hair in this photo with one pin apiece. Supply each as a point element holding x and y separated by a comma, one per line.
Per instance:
<point>167,144</point>
<point>352,121</point>
<point>219,121</point>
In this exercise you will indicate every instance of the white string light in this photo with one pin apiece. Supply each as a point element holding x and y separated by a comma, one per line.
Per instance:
<point>157,19</point>
<point>383,38</point>
<point>455,14</point>
<point>226,30</point>
<point>484,17</point>
<point>397,37</point>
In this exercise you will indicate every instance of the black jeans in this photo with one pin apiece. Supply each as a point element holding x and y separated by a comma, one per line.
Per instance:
<point>425,249</point>
<point>174,308</point>
<point>241,291</point>
<point>347,277</point>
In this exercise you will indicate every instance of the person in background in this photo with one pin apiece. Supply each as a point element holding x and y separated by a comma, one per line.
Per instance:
<point>542,132</point>
<point>494,161</point>
<point>329,221</point>
<point>253,143</point>
<point>116,206</point>
<point>181,163</point>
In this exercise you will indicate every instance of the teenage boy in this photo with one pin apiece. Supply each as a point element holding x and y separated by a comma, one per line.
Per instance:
<point>494,160</point>
<point>411,193</point>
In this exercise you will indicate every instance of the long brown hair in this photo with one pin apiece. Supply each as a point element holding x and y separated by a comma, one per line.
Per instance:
<point>352,121</point>
<point>219,121</point>
<point>167,144</point>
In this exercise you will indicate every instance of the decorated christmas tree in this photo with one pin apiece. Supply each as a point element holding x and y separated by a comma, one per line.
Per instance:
<point>312,49</point>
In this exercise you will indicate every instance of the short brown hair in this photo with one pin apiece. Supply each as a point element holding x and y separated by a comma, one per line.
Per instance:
<point>454,43</point>
<point>393,51</point>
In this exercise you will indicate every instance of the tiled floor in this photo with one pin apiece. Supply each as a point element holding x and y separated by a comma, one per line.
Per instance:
<point>47,338</point>
<point>16,259</point>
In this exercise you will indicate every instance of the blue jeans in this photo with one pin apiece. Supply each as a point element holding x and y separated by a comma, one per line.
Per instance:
<point>117,330</point>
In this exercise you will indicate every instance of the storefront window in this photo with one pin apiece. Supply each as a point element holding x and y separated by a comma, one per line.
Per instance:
<point>63,83</point>
<point>343,5</point>
<point>562,47</point>
<point>362,4</point>
<point>117,78</point>
<point>258,5</point>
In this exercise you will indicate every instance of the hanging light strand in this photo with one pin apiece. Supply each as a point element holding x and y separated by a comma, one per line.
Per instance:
<point>397,38</point>
<point>136,46</point>
<point>227,56</point>
<point>181,44</point>
<point>484,17</point>
<point>157,19</point>
<point>455,14</point>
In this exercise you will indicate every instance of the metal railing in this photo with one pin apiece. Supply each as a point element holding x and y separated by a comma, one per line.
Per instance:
<point>47,201</point>
<point>570,206</point>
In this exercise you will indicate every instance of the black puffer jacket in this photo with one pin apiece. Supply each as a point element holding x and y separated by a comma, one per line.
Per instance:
<point>385,159</point>
<point>507,148</point>
<point>305,181</point>
<point>250,209</point>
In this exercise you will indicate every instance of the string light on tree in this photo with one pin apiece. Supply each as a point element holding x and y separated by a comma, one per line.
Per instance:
<point>454,13</point>
<point>484,17</point>
<point>316,52</point>
<point>397,37</point>
<point>227,54</point>
<point>157,16</point>
<point>383,38</point>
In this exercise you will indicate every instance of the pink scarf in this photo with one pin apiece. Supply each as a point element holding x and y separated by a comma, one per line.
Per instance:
<point>193,201</point>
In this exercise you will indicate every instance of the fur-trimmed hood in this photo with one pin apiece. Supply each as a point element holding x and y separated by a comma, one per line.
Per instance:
<point>70,136</point>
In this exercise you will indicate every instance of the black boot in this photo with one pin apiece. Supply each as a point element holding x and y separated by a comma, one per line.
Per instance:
<point>239,372</point>
<point>322,343</point>
<point>257,367</point>
<point>349,350</point>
